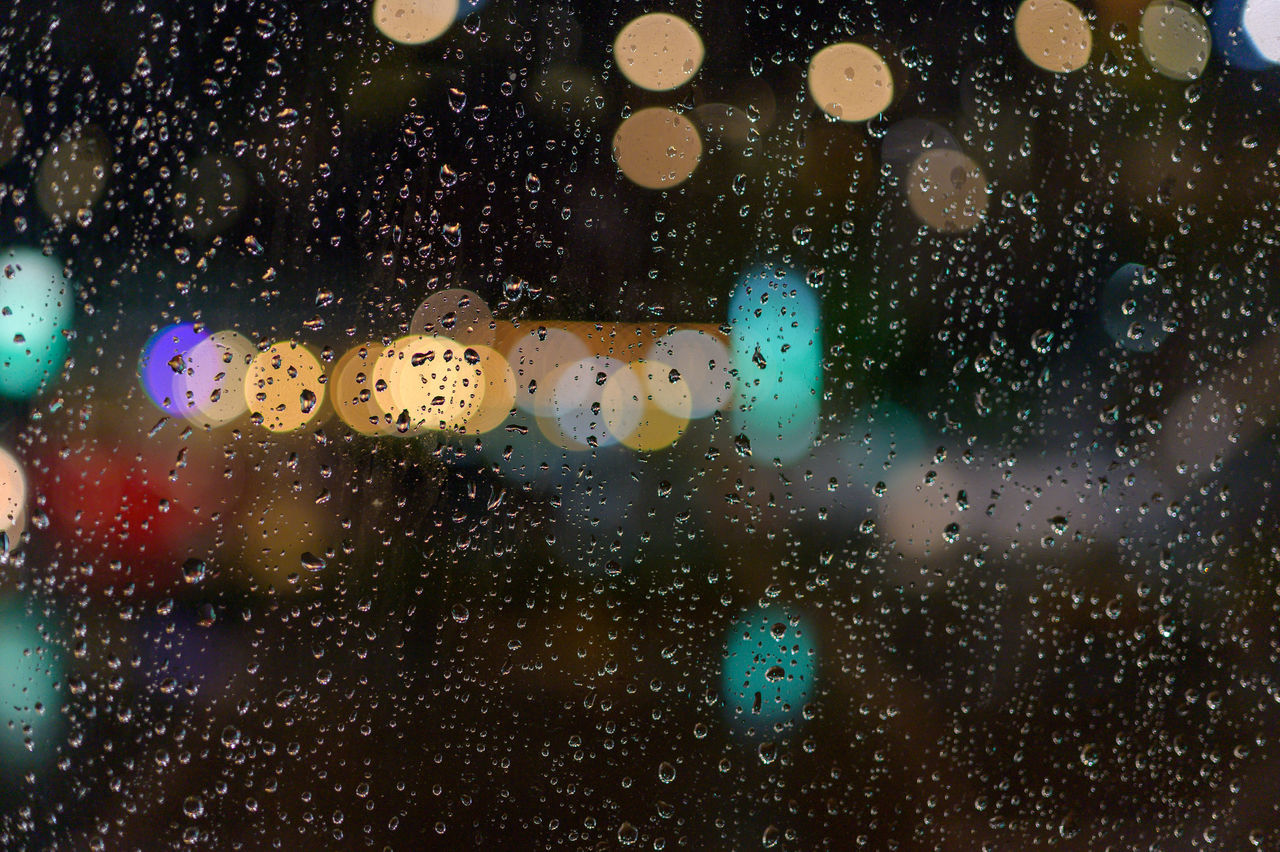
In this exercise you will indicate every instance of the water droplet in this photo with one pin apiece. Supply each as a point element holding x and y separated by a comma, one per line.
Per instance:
<point>194,570</point>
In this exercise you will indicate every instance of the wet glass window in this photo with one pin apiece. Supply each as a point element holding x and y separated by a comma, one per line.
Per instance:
<point>443,424</point>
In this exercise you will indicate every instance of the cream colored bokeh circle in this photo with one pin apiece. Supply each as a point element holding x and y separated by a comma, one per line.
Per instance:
<point>284,386</point>
<point>947,190</point>
<point>644,407</point>
<point>13,498</point>
<point>499,392</point>
<point>73,174</point>
<point>210,390</point>
<point>351,390</point>
<point>535,357</point>
<point>12,131</point>
<point>658,51</point>
<point>384,391</point>
<point>386,382</point>
<point>414,21</point>
<point>850,81</point>
<point>576,401</point>
<point>657,148</point>
<point>439,382</point>
<point>1175,39</point>
<point>1053,34</point>
<point>459,315</point>
<point>703,362</point>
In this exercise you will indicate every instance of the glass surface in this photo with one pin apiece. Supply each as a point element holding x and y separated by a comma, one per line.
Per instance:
<point>438,424</point>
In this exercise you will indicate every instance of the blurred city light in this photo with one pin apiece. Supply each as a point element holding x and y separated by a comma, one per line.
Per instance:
<point>658,51</point>
<point>770,668</point>
<point>37,304</point>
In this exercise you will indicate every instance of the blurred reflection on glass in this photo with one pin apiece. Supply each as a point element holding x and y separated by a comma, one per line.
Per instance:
<point>658,51</point>
<point>657,148</point>
<point>776,340</point>
<point>37,304</point>
<point>1053,34</point>
<point>769,670</point>
<point>850,82</point>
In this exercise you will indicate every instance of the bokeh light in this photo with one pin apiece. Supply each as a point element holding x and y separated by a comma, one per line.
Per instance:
<point>385,385</point>
<point>73,175</point>
<point>1261,20</point>
<point>770,667</point>
<point>850,81</point>
<point>776,344</point>
<point>210,388</point>
<point>351,390</point>
<point>1053,34</point>
<point>438,382</point>
<point>646,406</point>
<point>30,699</point>
<point>36,307</point>
<point>947,190</point>
<point>498,397</point>
<point>657,148</point>
<point>164,359</point>
<point>1175,39</point>
<point>13,501</point>
<point>1136,308</point>
<point>576,421</point>
<point>703,361</point>
<point>658,51</point>
<point>284,386</point>
<point>414,21</point>
<point>535,357</point>
<point>458,314</point>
